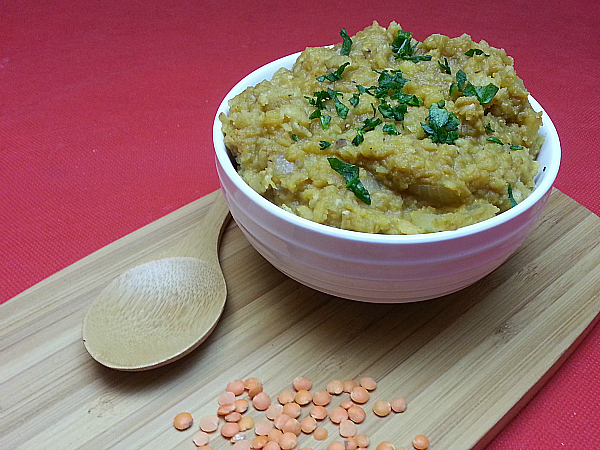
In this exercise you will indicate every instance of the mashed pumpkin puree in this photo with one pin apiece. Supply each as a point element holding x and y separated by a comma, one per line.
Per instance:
<point>384,134</point>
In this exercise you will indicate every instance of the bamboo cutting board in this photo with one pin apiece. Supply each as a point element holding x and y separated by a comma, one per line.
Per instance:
<point>466,363</point>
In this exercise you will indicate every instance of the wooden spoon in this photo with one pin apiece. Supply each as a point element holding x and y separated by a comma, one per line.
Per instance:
<point>159,311</point>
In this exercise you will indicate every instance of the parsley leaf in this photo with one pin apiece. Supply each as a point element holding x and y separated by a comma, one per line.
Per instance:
<point>442,124</point>
<point>513,202</point>
<point>461,79</point>
<point>335,75</point>
<point>388,81</point>
<point>354,99</point>
<point>346,43</point>
<point>390,128</point>
<point>516,147</point>
<point>445,66</point>
<point>409,99</point>
<point>359,138</point>
<point>341,109</point>
<point>350,173</point>
<point>489,128</point>
<point>484,94</point>
<point>324,144</point>
<point>294,137</point>
<point>403,48</point>
<point>495,140</point>
<point>392,112</point>
<point>325,119</point>
<point>476,51</point>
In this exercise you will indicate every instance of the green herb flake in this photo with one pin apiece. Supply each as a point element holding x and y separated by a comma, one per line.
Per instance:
<point>294,137</point>
<point>495,140</point>
<point>390,128</point>
<point>350,173</point>
<point>335,75</point>
<point>324,144</point>
<point>442,124</point>
<point>403,47</point>
<point>484,94</point>
<point>476,51</point>
<point>359,138</point>
<point>516,147</point>
<point>513,202</point>
<point>392,112</point>
<point>489,128</point>
<point>346,43</point>
<point>341,109</point>
<point>354,99</point>
<point>445,66</point>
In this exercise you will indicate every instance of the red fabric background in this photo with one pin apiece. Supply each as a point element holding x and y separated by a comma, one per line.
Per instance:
<point>106,111</point>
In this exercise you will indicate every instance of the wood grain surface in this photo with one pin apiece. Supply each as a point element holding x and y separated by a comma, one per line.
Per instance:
<point>466,363</point>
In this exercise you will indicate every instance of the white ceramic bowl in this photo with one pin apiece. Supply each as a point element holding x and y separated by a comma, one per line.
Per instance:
<point>372,267</point>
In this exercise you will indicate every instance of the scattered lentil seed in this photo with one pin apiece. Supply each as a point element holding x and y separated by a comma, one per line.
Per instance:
<point>349,385</point>
<point>204,447</point>
<point>336,445</point>
<point>200,438</point>
<point>261,401</point>
<point>246,423</point>
<point>275,435</point>
<point>382,408</point>
<point>281,420</point>
<point>286,397</point>
<point>335,387</point>
<point>385,445</point>
<point>241,405</point>
<point>350,443</point>
<point>420,442</point>
<point>236,386</point>
<point>209,424</point>
<point>183,421</point>
<point>308,424</point>
<point>337,414</point>
<point>347,428</point>
<point>318,412</point>
<point>233,417</point>
<point>321,398</point>
<point>225,409</point>
<point>263,427</point>
<point>251,382</point>
<point>362,440</point>
<point>398,404</point>
<point>288,441</point>
<point>356,414</point>
<point>272,445</point>
<point>359,394</point>
<point>347,404</point>
<point>303,397</point>
<point>254,391</point>
<point>320,434</point>
<point>273,411</point>
<point>302,383</point>
<point>292,426</point>
<point>368,383</point>
<point>259,442</point>
<point>292,409</point>
<point>230,429</point>
<point>226,398</point>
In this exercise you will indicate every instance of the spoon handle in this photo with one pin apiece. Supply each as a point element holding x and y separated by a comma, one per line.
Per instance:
<point>203,241</point>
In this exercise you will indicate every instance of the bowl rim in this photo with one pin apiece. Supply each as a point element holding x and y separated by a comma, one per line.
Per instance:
<point>550,172</point>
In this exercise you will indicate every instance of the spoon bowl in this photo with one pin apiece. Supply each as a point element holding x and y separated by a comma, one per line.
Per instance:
<point>160,311</point>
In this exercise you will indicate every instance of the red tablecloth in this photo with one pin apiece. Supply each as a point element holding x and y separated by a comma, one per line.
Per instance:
<point>106,110</point>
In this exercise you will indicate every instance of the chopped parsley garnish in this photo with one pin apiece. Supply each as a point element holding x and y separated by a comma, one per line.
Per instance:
<point>403,47</point>
<point>359,138</point>
<point>484,94</point>
<point>346,43</point>
<point>354,99</point>
<point>350,173</point>
<point>513,202</point>
<point>388,81</point>
<point>498,141</point>
<point>442,124</point>
<point>341,109</point>
<point>392,112</point>
<point>325,119</point>
<point>445,66</point>
<point>335,75</point>
<point>294,137</point>
<point>324,144</point>
<point>409,99</point>
<point>390,128</point>
<point>476,51</point>
<point>489,128</point>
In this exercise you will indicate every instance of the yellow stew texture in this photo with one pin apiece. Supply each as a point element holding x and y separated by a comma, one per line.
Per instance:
<point>395,137</point>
